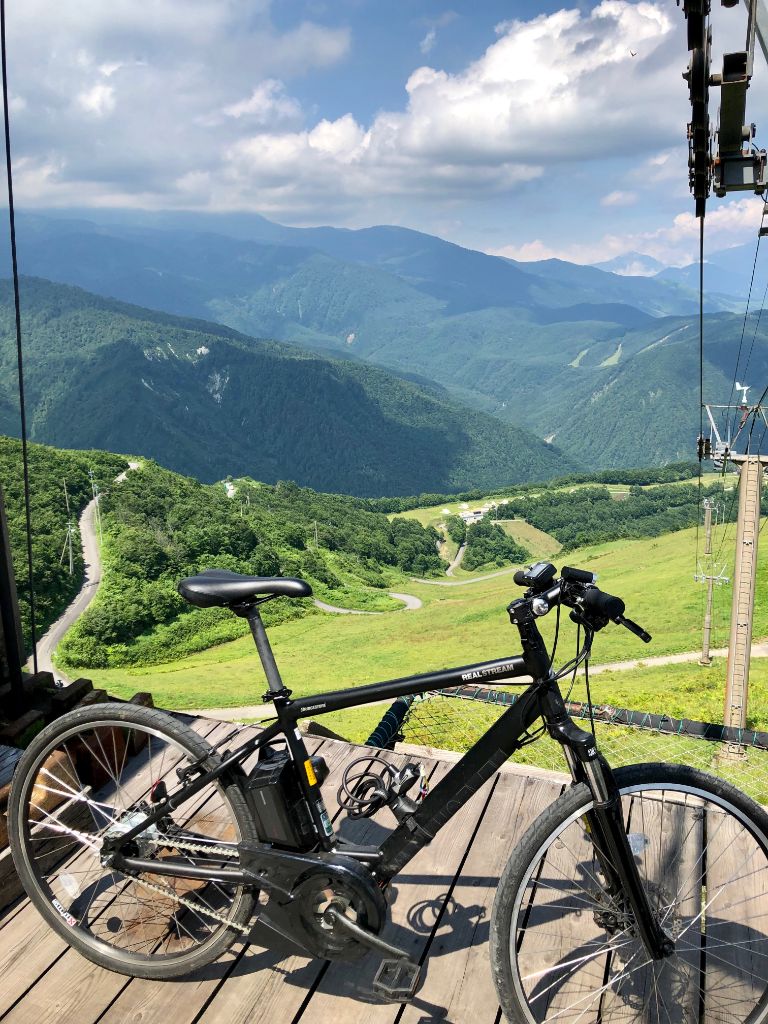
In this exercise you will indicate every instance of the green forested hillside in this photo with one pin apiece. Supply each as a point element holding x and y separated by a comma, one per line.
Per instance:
<point>602,363</point>
<point>673,471</point>
<point>207,401</point>
<point>160,526</point>
<point>48,469</point>
<point>592,515</point>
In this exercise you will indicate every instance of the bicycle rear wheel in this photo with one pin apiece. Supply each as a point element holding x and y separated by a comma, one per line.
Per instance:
<point>563,949</point>
<point>92,773</point>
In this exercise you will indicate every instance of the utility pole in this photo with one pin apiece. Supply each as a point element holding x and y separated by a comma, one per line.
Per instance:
<point>68,541</point>
<point>96,496</point>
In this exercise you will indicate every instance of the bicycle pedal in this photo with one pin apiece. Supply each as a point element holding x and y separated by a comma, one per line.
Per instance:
<point>397,980</point>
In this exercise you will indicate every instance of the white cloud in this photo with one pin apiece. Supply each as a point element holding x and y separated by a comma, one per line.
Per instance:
<point>124,100</point>
<point>98,100</point>
<point>187,102</point>
<point>267,103</point>
<point>619,198</point>
<point>529,251</point>
<point>675,244</point>
<point>428,41</point>
<point>483,130</point>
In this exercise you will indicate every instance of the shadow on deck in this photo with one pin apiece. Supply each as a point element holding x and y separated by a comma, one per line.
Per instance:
<point>441,908</point>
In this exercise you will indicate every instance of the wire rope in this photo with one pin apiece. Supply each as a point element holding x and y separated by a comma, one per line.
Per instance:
<point>19,350</point>
<point>701,379</point>
<point>744,322</point>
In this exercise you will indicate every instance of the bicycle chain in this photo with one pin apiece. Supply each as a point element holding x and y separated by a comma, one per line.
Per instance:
<point>184,901</point>
<point>183,844</point>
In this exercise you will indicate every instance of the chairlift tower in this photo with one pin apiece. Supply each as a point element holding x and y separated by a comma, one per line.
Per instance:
<point>711,579</point>
<point>745,568</point>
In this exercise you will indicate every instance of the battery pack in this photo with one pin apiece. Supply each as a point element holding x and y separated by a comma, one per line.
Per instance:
<point>278,805</point>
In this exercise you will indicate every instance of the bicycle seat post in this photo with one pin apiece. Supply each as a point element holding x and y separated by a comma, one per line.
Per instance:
<point>271,671</point>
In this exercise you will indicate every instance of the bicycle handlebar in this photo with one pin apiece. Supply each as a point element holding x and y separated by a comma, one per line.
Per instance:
<point>576,589</point>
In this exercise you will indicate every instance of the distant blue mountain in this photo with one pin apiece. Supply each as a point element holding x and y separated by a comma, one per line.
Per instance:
<point>558,347</point>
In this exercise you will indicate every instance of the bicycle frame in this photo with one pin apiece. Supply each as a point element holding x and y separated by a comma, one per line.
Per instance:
<point>541,699</point>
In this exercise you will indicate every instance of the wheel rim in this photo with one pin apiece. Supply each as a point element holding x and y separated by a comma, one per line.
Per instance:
<point>574,956</point>
<point>96,780</point>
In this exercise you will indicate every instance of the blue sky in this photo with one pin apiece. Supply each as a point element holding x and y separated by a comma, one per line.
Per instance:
<point>525,129</point>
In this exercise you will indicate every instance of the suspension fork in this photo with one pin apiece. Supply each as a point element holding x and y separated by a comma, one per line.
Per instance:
<point>605,822</point>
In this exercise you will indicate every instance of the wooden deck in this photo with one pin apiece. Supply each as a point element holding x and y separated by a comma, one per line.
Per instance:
<point>441,913</point>
<point>9,758</point>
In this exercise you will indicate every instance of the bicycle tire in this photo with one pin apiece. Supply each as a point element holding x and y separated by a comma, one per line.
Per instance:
<point>100,763</point>
<point>562,949</point>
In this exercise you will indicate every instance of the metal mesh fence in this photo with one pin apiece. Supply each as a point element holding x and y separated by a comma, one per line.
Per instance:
<point>452,720</point>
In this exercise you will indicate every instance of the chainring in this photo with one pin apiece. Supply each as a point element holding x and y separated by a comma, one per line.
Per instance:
<point>351,891</point>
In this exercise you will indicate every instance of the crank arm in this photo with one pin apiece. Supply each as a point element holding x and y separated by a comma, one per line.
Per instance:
<point>362,935</point>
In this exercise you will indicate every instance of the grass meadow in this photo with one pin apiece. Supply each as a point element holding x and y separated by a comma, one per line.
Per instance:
<point>459,625</point>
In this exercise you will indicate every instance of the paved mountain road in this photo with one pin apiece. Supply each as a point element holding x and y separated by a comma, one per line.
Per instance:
<point>411,604</point>
<point>457,560</point>
<point>47,644</point>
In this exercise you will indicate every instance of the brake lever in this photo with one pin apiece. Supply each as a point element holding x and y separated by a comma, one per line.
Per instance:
<point>634,628</point>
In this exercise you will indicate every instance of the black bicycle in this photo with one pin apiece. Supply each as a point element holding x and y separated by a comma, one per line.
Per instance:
<point>638,895</point>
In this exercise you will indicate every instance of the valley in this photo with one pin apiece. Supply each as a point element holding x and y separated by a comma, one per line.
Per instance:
<point>330,404</point>
<point>592,360</point>
<point>159,526</point>
<point>210,402</point>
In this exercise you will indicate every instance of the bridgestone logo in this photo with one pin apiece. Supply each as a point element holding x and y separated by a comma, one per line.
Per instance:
<point>71,921</point>
<point>315,707</point>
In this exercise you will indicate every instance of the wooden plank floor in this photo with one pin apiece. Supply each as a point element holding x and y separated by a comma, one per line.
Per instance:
<point>9,758</point>
<point>441,913</point>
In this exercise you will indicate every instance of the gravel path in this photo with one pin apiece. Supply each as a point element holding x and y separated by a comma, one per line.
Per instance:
<point>411,603</point>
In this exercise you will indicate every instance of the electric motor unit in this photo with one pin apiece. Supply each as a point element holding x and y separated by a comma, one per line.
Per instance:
<point>278,805</point>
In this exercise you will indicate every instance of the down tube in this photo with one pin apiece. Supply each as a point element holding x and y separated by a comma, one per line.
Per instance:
<point>450,794</point>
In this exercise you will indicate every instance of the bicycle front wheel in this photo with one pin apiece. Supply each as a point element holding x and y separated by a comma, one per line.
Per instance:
<point>96,772</point>
<point>564,949</point>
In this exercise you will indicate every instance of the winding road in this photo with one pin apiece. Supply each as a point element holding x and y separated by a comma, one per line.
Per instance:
<point>457,560</point>
<point>466,583</point>
<point>47,644</point>
<point>409,600</point>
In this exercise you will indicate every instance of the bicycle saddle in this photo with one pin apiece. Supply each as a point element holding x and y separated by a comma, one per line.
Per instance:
<point>222,587</point>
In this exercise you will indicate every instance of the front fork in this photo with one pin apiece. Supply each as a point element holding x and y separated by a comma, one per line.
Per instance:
<point>605,823</point>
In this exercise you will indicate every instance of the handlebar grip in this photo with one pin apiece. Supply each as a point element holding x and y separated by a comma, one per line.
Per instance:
<point>604,604</point>
<point>571,575</point>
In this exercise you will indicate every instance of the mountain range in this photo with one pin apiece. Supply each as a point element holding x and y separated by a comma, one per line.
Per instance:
<point>602,364</point>
<point>210,402</point>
